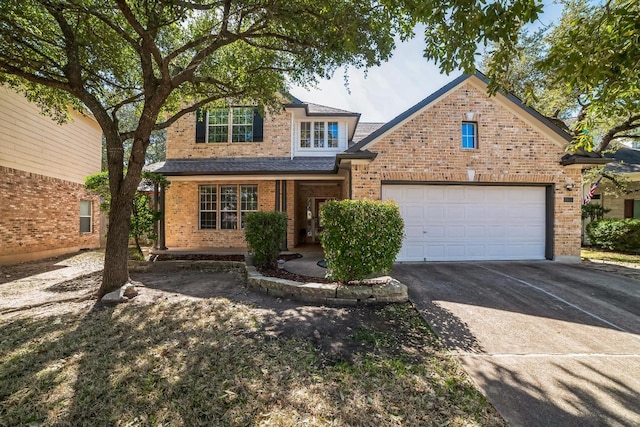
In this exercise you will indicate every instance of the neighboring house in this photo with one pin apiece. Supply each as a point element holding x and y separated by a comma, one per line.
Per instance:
<point>476,177</point>
<point>44,207</point>
<point>622,204</point>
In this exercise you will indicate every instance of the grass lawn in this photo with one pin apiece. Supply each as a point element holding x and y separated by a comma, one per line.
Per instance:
<point>615,257</point>
<point>217,362</point>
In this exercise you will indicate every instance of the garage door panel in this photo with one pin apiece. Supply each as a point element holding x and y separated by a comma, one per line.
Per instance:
<point>434,231</point>
<point>462,222</point>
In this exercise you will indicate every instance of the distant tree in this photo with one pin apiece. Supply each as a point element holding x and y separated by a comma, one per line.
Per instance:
<point>156,151</point>
<point>585,67</point>
<point>167,58</point>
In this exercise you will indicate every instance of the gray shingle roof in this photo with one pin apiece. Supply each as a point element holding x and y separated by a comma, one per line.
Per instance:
<point>626,160</point>
<point>365,129</point>
<point>243,165</point>
<point>312,109</point>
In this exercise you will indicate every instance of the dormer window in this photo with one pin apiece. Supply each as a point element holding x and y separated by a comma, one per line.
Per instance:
<point>319,135</point>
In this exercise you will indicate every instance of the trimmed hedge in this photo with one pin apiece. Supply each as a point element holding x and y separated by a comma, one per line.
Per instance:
<point>265,233</point>
<point>360,237</point>
<point>615,234</point>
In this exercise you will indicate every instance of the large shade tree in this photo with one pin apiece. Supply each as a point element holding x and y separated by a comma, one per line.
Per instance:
<point>585,68</point>
<point>167,58</point>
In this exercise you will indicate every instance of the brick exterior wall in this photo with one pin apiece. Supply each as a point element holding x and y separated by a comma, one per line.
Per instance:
<point>182,217</point>
<point>40,216</point>
<point>181,140</point>
<point>427,148</point>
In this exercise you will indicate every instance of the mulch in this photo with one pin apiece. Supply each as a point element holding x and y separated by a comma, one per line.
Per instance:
<point>270,272</point>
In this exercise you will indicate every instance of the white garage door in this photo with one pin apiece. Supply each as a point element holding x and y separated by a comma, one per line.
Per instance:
<point>465,222</point>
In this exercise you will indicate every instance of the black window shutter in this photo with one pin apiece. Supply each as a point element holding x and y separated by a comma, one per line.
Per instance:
<point>201,125</point>
<point>258,125</point>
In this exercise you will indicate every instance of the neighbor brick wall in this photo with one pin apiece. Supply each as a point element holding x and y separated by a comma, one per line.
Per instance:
<point>181,137</point>
<point>40,216</point>
<point>428,148</point>
<point>182,211</point>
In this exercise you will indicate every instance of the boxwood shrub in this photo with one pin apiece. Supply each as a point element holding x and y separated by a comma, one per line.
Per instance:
<point>265,233</point>
<point>360,237</point>
<point>615,234</point>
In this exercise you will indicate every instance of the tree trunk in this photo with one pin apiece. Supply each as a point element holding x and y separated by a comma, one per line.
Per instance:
<point>116,270</point>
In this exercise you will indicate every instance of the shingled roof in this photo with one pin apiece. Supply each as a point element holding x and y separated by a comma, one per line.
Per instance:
<point>245,166</point>
<point>626,160</point>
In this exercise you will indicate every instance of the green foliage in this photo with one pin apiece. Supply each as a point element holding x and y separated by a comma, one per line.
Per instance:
<point>163,59</point>
<point>615,234</point>
<point>585,66</point>
<point>360,237</point>
<point>265,233</point>
<point>594,211</point>
<point>143,217</point>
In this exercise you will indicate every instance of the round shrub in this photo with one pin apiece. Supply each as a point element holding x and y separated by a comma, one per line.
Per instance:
<point>615,234</point>
<point>265,233</point>
<point>360,237</point>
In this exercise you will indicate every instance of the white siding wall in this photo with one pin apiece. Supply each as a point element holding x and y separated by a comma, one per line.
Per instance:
<point>34,143</point>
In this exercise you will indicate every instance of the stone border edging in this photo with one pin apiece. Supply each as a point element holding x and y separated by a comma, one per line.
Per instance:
<point>320,293</point>
<point>327,293</point>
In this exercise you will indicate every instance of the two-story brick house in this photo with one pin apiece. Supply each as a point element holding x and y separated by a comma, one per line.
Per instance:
<point>476,177</point>
<point>44,208</point>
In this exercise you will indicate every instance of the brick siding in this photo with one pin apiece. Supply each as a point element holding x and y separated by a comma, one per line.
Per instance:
<point>181,137</point>
<point>182,218</point>
<point>428,148</point>
<point>40,216</point>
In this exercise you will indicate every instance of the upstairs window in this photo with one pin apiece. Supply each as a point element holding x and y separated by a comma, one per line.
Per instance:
<point>469,135</point>
<point>319,135</point>
<point>332,134</point>
<point>229,125</point>
<point>305,134</point>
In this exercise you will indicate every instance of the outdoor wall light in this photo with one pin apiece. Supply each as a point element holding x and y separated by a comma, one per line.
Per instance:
<point>569,187</point>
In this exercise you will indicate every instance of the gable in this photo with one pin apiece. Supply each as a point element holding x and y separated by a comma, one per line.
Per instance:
<point>507,101</point>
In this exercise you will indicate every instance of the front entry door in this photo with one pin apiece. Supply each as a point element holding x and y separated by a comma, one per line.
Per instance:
<point>313,218</point>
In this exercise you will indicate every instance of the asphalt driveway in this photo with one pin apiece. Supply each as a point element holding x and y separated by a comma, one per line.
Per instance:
<point>550,344</point>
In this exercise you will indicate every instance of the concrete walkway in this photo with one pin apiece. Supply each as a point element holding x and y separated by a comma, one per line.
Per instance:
<point>308,264</point>
<point>549,344</point>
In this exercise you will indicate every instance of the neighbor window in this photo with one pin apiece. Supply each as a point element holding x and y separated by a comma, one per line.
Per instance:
<point>319,135</point>
<point>236,122</point>
<point>86,207</point>
<point>225,212</point>
<point>469,135</point>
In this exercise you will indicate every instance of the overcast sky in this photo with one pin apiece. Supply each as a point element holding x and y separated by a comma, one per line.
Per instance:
<point>388,90</point>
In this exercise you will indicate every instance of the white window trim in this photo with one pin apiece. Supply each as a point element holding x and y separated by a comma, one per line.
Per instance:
<point>475,135</point>
<point>230,125</point>
<point>320,151</point>
<point>90,216</point>
<point>218,211</point>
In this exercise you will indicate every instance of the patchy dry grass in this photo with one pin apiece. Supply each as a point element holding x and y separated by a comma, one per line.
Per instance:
<point>211,362</point>
<point>615,257</point>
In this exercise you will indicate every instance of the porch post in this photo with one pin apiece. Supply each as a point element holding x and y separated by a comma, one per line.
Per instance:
<point>156,208</point>
<point>162,243</point>
<point>284,209</point>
